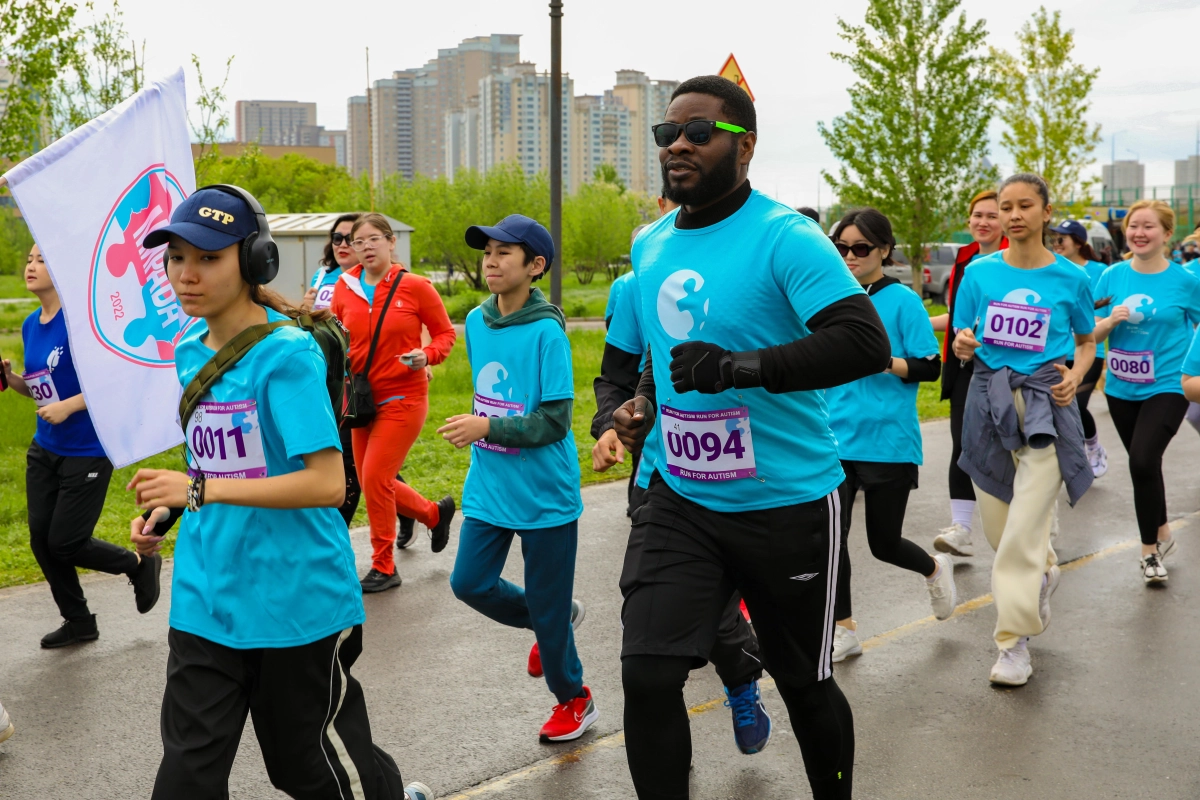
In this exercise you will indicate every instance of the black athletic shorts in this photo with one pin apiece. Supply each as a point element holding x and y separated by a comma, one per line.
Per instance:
<point>880,475</point>
<point>684,561</point>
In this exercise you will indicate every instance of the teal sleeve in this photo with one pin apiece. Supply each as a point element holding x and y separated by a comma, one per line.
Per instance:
<point>549,424</point>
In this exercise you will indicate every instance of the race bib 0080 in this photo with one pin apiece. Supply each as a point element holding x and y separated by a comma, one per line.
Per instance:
<point>1132,366</point>
<point>225,441</point>
<point>708,445</point>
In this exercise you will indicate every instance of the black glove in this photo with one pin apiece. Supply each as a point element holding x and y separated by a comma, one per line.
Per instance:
<point>710,369</point>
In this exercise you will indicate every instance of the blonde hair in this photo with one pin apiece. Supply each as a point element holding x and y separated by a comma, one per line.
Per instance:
<point>1165,214</point>
<point>986,194</point>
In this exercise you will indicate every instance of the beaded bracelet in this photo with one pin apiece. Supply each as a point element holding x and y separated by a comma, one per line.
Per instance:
<point>195,492</point>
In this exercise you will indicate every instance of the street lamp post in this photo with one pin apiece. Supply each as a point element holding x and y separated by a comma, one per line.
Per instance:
<point>556,154</point>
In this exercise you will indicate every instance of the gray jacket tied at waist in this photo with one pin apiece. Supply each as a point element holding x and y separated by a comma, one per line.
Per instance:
<point>991,432</point>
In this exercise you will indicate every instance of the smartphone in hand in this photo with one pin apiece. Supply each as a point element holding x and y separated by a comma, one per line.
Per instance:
<point>3,377</point>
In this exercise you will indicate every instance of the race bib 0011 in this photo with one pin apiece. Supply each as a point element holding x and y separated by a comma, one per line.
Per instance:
<point>1017,326</point>
<point>324,297</point>
<point>225,441</point>
<point>491,407</point>
<point>1132,366</point>
<point>41,387</point>
<point>708,445</point>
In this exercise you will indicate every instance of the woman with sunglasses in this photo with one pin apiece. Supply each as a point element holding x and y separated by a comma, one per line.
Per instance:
<point>1021,314</point>
<point>983,222</point>
<point>1071,242</point>
<point>875,422</point>
<point>398,383</point>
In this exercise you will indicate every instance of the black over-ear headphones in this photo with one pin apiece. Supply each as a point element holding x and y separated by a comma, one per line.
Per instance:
<point>259,255</point>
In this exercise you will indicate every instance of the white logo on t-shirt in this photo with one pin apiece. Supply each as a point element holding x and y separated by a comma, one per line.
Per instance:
<point>1141,307</point>
<point>495,381</point>
<point>52,359</point>
<point>1024,297</point>
<point>682,308</point>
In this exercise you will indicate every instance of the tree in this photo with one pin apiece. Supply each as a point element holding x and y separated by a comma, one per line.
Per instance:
<point>607,173</point>
<point>290,184</point>
<point>214,119</point>
<point>913,142</point>
<point>597,223</point>
<point>107,70</point>
<point>1045,100</point>
<point>38,42</point>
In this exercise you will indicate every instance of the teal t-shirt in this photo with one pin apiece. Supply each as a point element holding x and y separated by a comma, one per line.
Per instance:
<point>1024,317</point>
<point>1094,270</point>
<point>614,296</point>
<point>875,418</point>
<point>624,333</point>
<point>1191,362</point>
<point>514,370</point>
<point>750,281</point>
<point>258,577</point>
<point>1146,352</point>
<point>368,291</point>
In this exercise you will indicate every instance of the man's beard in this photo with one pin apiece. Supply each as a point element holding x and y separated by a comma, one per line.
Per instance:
<point>710,186</point>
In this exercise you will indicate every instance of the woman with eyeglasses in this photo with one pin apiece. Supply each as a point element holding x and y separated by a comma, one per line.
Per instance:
<point>399,385</point>
<point>1071,242</point>
<point>983,222</point>
<point>875,422</point>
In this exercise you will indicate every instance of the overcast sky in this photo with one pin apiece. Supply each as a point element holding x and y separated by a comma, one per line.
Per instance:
<point>1148,93</point>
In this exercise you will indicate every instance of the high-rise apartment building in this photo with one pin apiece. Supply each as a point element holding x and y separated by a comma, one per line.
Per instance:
<point>1123,176</point>
<point>462,138</point>
<point>1187,171</point>
<point>600,134</point>
<point>647,101</point>
<point>514,119</point>
<point>274,122</point>
<point>336,140</point>
<point>392,126</point>
<point>357,136</point>
<point>428,121</point>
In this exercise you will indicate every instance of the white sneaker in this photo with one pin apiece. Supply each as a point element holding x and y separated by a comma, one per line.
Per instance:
<point>1166,548</point>
<point>943,594</point>
<point>845,643</point>
<point>955,540</point>
<point>418,791</point>
<point>1049,586</point>
<point>1013,667</point>
<point>1152,569</point>
<point>1098,459</point>
<point>6,726</point>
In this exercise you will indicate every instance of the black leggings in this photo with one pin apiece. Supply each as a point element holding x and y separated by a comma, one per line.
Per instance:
<point>961,487</point>
<point>886,501</point>
<point>1146,428</point>
<point>1085,393</point>
<point>353,490</point>
<point>658,736</point>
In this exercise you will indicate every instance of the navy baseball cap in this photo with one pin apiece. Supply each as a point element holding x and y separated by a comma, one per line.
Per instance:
<point>210,219</point>
<point>1072,228</point>
<point>514,229</point>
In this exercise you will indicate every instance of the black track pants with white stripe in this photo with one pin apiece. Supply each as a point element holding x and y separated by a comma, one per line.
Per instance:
<point>309,715</point>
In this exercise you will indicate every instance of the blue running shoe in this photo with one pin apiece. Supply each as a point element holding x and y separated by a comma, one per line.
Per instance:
<point>751,722</point>
<point>418,791</point>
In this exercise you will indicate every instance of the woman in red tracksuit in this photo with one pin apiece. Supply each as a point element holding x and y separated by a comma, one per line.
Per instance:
<point>398,383</point>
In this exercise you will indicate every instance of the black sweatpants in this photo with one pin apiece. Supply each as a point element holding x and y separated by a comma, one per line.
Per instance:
<point>683,563</point>
<point>309,715</point>
<point>65,495</point>
<point>1085,394</point>
<point>887,487</point>
<point>1146,427</point>
<point>961,487</point>
<point>353,490</point>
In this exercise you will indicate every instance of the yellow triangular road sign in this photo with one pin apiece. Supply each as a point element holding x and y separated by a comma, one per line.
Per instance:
<point>733,72</point>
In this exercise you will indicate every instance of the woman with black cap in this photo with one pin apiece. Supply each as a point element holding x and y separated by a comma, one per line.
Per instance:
<point>266,612</point>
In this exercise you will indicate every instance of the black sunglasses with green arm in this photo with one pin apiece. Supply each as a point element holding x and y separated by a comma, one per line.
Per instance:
<point>697,131</point>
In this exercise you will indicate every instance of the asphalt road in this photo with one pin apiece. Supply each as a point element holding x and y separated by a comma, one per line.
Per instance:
<point>1112,710</point>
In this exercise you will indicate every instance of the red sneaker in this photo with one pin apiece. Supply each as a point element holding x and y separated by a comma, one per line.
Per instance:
<point>534,667</point>
<point>745,611</point>
<point>569,720</point>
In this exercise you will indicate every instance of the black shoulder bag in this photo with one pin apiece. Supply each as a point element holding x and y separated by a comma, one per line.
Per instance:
<point>360,386</point>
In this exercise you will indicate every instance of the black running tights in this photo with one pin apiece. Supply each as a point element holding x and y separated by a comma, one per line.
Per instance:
<point>961,487</point>
<point>1146,428</point>
<point>1085,394</point>
<point>658,739</point>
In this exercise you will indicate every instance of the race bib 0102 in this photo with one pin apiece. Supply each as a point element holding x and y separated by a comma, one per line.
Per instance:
<point>1132,366</point>
<point>1017,326</point>
<point>225,440</point>
<point>41,387</point>
<point>491,407</point>
<point>708,445</point>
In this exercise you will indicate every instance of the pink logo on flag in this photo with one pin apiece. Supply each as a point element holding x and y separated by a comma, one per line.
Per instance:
<point>133,309</point>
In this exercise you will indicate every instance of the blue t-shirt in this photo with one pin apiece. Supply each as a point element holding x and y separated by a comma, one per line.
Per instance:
<point>1094,270</point>
<point>1163,310</point>
<point>750,281</point>
<point>1061,292</point>
<point>263,577</point>
<point>1191,362</point>
<point>48,357</point>
<point>614,295</point>
<point>514,370</point>
<point>875,418</point>
<point>624,333</point>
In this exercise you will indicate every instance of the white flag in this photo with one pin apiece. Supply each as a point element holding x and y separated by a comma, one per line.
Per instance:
<point>89,199</point>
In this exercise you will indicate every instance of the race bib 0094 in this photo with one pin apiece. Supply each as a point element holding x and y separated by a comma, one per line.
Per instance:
<point>1017,326</point>
<point>708,445</point>
<point>41,387</point>
<point>225,441</point>
<point>1132,366</point>
<point>491,407</point>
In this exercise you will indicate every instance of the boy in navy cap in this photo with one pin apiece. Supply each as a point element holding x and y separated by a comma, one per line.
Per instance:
<point>524,476</point>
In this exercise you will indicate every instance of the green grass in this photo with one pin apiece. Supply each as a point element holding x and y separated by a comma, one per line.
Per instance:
<point>13,286</point>
<point>434,468</point>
